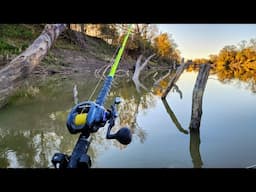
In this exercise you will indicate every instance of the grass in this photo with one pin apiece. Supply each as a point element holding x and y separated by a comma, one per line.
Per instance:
<point>99,48</point>
<point>15,38</point>
<point>26,91</point>
<point>65,44</point>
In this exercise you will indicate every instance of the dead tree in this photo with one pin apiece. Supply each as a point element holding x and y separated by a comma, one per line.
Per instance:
<point>162,78</point>
<point>138,69</point>
<point>174,78</point>
<point>194,127</point>
<point>20,67</point>
<point>198,96</point>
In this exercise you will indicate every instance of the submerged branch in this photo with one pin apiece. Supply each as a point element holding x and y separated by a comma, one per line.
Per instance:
<point>138,69</point>
<point>175,78</point>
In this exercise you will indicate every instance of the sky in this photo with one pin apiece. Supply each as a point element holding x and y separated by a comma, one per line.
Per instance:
<point>201,40</point>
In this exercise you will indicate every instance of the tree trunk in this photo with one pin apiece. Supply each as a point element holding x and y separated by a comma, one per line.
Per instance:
<point>174,78</point>
<point>138,69</point>
<point>198,96</point>
<point>82,28</point>
<point>19,68</point>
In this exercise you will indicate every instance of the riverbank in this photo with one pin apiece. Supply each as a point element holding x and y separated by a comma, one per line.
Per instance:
<point>65,57</point>
<point>67,62</point>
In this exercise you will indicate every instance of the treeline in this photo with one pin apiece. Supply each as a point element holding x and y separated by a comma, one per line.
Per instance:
<point>233,62</point>
<point>145,39</point>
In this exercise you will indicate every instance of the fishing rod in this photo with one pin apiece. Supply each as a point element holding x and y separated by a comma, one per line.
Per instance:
<point>88,116</point>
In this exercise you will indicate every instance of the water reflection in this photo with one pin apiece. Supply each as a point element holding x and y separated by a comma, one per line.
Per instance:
<point>32,129</point>
<point>194,144</point>
<point>194,148</point>
<point>173,117</point>
<point>235,73</point>
<point>24,148</point>
<point>133,102</point>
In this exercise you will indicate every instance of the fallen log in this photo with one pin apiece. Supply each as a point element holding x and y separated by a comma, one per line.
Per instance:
<point>13,74</point>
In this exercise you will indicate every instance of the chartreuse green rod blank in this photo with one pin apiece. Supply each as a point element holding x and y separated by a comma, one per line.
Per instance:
<point>107,84</point>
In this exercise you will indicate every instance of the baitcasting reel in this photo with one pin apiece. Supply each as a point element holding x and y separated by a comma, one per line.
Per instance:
<point>85,118</point>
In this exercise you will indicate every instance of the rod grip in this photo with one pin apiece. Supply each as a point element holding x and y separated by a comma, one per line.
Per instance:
<point>81,148</point>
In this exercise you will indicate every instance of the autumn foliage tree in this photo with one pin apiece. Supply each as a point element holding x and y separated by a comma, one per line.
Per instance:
<point>165,47</point>
<point>234,62</point>
<point>144,39</point>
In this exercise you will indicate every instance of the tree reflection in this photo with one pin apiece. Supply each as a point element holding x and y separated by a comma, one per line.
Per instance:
<point>29,148</point>
<point>33,129</point>
<point>194,145</point>
<point>230,66</point>
<point>133,103</point>
<point>161,84</point>
<point>173,117</point>
<point>194,148</point>
<point>159,87</point>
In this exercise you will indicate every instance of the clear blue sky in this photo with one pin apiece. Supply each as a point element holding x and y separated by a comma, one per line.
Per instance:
<point>201,40</point>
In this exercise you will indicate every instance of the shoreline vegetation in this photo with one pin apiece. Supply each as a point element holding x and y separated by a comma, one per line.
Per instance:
<point>88,48</point>
<point>75,51</point>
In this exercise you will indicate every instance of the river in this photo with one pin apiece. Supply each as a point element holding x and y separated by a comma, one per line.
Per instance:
<point>33,128</point>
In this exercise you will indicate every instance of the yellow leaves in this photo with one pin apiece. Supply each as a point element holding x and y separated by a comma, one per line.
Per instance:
<point>200,61</point>
<point>163,45</point>
<point>232,63</point>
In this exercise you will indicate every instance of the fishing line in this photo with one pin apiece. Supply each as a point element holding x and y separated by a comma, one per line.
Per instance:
<point>114,65</point>
<point>98,83</point>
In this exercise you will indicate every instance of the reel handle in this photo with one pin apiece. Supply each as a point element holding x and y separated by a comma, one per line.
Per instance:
<point>123,135</point>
